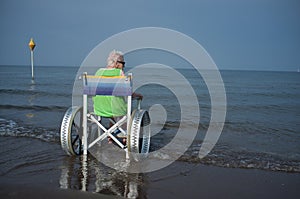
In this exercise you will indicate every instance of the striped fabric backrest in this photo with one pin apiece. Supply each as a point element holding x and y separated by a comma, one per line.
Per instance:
<point>103,85</point>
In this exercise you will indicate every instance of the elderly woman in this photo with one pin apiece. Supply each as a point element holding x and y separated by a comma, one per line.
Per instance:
<point>113,107</point>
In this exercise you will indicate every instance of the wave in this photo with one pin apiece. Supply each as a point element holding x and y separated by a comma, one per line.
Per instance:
<point>221,155</point>
<point>224,156</point>
<point>35,107</point>
<point>33,92</point>
<point>169,125</point>
<point>12,129</point>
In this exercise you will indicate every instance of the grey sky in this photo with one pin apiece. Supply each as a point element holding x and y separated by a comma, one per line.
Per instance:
<point>238,34</point>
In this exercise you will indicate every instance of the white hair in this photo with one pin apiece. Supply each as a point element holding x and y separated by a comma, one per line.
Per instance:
<point>113,57</point>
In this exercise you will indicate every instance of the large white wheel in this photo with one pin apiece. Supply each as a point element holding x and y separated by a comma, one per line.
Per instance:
<point>139,134</point>
<point>71,131</point>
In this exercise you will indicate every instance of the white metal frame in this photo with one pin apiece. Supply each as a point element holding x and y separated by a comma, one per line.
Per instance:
<point>106,132</point>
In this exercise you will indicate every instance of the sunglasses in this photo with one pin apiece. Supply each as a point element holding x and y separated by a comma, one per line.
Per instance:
<point>121,62</point>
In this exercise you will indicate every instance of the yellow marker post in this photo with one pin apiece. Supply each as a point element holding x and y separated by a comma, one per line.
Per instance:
<point>31,46</point>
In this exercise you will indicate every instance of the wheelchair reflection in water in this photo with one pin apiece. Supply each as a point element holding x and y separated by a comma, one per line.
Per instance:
<point>89,175</point>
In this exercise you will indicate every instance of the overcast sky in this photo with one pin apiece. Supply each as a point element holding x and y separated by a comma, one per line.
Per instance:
<point>238,34</point>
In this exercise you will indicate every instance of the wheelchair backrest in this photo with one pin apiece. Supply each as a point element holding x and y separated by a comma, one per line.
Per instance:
<point>107,85</point>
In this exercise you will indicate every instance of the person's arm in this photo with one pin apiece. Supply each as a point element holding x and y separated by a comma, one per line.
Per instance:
<point>137,96</point>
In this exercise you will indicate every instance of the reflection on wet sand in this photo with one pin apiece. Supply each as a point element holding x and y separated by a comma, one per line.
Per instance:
<point>85,173</point>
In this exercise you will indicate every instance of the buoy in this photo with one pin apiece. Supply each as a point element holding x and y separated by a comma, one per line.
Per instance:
<point>31,46</point>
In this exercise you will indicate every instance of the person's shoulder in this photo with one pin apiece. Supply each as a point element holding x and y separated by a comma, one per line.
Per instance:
<point>99,71</point>
<point>109,72</point>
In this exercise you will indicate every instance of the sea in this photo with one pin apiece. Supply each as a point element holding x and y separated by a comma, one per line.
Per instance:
<point>261,128</point>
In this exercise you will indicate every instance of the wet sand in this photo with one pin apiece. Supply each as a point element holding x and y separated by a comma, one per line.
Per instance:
<point>27,192</point>
<point>201,181</point>
<point>30,168</point>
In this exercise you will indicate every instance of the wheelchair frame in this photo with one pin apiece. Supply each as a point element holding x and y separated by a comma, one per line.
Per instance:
<point>76,123</point>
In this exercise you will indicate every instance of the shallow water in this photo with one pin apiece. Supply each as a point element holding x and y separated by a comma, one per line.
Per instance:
<point>262,128</point>
<point>33,162</point>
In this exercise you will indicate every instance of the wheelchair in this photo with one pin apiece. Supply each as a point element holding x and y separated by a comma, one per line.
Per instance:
<point>77,132</point>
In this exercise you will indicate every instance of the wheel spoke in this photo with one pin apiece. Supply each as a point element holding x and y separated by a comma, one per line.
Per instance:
<point>75,140</point>
<point>75,125</point>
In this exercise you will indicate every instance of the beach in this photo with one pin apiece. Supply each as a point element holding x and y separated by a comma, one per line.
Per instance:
<point>206,103</point>
<point>256,156</point>
<point>35,169</point>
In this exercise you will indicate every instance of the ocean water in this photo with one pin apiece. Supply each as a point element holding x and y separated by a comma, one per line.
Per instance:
<point>261,131</point>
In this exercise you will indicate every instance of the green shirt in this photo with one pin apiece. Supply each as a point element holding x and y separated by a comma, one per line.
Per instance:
<point>109,106</point>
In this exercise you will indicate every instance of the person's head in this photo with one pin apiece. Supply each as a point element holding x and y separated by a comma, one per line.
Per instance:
<point>115,60</point>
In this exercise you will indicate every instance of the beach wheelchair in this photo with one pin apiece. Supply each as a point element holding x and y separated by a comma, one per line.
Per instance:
<point>78,133</point>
